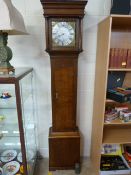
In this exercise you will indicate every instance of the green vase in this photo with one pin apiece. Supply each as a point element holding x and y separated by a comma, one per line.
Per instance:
<point>5,52</point>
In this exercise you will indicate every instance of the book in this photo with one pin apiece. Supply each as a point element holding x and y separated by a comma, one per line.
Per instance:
<point>129,59</point>
<point>122,58</point>
<point>118,58</point>
<point>111,149</point>
<point>111,58</point>
<point>126,151</point>
<point>112,162</point>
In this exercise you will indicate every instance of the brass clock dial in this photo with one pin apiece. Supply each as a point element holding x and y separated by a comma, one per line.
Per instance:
<point>63,33</point>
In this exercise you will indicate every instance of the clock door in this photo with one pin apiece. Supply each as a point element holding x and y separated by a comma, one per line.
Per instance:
<point>64,83</point>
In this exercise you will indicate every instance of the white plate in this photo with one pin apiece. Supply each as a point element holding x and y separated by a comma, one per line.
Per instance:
<point>8,155</point>
<point>11,168</point>
<point>19,157</point>
<point>1,171</point>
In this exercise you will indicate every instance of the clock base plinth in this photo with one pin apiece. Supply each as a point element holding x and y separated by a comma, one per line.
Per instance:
<point>64,150</point>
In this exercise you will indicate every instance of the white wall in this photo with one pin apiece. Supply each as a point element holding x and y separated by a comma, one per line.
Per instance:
<point>29,51</point>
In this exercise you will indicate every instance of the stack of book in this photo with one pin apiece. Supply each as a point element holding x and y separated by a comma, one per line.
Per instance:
<point>120,94</point>
<point>125,115</point>
<point>110,115</point>
<point>120,58</point>
<point>115,160</point>
<point>129,59</point>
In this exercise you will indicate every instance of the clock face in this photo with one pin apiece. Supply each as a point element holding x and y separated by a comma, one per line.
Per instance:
<point>63,34</point>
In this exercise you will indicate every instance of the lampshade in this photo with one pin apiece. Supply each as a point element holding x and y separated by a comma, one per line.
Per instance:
<point>11,20</point>
<point>11,23</point>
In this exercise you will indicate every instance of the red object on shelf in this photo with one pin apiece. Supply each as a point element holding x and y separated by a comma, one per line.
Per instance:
<point>127,152</point>
<point>128,156</point>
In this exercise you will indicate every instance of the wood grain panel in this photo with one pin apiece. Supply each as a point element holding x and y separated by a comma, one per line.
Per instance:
<point>117,134</point>
<point>104,32</point>
<point>64,150</point>
<point>64,88</point>
<point>121,23</point>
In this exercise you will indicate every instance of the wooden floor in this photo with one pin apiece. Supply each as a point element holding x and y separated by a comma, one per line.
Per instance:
<point>42,169</point>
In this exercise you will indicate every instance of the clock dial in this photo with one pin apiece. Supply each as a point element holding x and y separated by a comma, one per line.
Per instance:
<point>63,33</point>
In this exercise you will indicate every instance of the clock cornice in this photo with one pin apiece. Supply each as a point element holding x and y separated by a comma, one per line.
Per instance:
<point>72,8</point>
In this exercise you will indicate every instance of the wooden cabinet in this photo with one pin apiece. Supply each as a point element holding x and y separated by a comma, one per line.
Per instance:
<point>113,32</point>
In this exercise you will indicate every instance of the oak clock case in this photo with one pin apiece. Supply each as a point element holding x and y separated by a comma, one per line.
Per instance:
<point>63,27</point>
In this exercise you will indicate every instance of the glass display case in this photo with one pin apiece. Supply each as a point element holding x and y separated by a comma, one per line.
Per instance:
<point>18,145</point>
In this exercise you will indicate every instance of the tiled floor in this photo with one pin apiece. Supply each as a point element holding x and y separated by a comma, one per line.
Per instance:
<point>42,169</point>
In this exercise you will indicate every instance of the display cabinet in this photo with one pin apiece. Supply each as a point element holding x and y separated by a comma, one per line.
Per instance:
<point>114,32</point>
<point>18,145</point>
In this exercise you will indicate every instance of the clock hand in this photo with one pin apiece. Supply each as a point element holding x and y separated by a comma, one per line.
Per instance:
<point>61,34</point>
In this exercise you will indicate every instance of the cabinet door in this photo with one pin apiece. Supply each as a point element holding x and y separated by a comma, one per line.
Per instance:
<point>64,86</point>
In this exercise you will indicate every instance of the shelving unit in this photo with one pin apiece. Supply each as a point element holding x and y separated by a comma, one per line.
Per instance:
<point>18,126</point>
<point>113,32</point>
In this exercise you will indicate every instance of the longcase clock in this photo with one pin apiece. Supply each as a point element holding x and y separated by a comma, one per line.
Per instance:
<point>63,20</point>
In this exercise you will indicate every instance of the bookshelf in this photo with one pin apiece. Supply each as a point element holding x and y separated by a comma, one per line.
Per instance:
<point>113,32</point>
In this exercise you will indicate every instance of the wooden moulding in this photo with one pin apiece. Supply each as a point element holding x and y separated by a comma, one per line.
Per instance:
<point>63,134</point>
<point>64,8</point>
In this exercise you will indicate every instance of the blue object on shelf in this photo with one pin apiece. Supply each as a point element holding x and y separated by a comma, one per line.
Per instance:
<point>120,7</point>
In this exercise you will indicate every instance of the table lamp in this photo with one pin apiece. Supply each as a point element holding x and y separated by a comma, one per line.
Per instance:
<point>11,23</point>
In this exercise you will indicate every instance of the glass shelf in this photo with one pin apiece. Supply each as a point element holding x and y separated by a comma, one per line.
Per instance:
<point>10,143</point>
<point>9,130</point>
<point>10,103</point>
<point>12,130</point>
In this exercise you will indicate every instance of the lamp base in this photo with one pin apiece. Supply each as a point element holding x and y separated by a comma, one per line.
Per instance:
<point>5,55</point>
<point>5,71</point>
